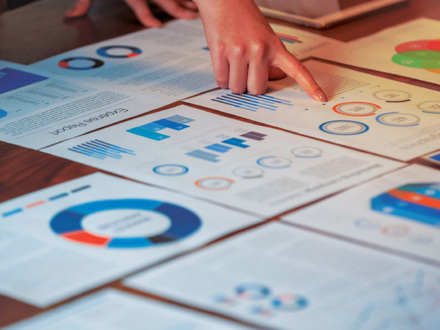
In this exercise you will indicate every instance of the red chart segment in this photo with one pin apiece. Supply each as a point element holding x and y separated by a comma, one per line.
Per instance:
<point>421,54</point>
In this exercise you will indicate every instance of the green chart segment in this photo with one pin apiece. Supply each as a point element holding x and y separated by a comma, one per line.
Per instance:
<point>420,54</point>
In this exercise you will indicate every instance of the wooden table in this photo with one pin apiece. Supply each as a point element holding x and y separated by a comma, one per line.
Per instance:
<point>37,31</point>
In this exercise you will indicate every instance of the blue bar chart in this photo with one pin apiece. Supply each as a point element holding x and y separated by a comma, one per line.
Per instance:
<point>252,102</point>
<point>151,130</point>
<point>101,150</point>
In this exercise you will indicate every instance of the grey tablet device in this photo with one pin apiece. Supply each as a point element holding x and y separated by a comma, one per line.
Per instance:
<point>321,13</point>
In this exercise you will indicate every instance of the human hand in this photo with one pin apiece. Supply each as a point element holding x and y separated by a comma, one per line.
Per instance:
<point>245,51</point>
<point>176,8</point>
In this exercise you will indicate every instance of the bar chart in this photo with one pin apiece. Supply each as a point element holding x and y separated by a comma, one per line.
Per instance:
<point>151,130</point>
<point>252,102</point>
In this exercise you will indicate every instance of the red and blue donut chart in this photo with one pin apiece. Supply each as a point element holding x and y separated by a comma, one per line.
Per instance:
<point>66,63</point>
<point>68,223</point>
<point>104,51</point>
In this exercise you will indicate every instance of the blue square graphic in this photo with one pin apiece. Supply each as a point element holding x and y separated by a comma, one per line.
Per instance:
<point>11,79</point>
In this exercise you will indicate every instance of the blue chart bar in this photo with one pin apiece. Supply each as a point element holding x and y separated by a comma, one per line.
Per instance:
<point>147,133</point>
<point>150,130</point>
<point>7,214</point>
<point>219,147</point>
<point>236,143</point>
<point>252,102</point>
<point>204,155</point>
<point>101,150</point>
<point>180,119</point>
<point>171,124</point>
<point>254,136</point>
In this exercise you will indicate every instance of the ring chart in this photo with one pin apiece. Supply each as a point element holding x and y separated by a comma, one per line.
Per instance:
<point>119,51</point>
<point>398,119</point>
<point>290,302</point>
<point>69,223</point>
<point>357,109</point>
<point>3,113</point>
<point>82,63</point>
<point>420,54</point>
<point>252,291</point>
<point>343,127</point>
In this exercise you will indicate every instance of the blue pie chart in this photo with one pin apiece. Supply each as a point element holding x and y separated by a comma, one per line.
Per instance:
<point>68,223</point>
<point>3,113</point>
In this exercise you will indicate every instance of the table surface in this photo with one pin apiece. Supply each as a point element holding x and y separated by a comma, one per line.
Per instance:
<point>37,31</point>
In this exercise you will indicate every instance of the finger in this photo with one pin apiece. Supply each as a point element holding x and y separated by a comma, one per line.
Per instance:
<point>189,4</point>
<point>295,69</point>
<point>143,13</point>
<point>257,77</point>
<point>276,73</point>
<point>221,68</point>
<point>80,9</point>
<point>238,71</point>
<point>174,8</point>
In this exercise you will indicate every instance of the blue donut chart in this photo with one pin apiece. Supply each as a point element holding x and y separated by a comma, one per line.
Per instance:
<point>68,223</point>
<point>65,64</point>
<point>252,291</point>
<point>134,51</point>
<point>3,113</point>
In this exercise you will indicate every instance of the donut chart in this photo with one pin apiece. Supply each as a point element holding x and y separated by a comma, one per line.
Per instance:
<point>418,202</point>
<point>420,54</point>
<point>132,51</point>
<point>67,63</point>
<point>68,223</point>
<point>252,291</point>
<point>356,109</point>
<point>290,302</point>
<point>3,113</point>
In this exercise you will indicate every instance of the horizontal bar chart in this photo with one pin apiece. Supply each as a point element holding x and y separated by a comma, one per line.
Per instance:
<point>151,130</point>
<point>204,155</point>
<point>236,142</point>
<point>252,102</point>
<point>101,150</point>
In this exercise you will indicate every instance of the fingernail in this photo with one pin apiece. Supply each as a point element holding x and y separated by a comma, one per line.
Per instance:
<point>320,96</point>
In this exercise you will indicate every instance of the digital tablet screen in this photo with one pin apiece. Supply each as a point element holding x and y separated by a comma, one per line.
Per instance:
<point>321,13</point>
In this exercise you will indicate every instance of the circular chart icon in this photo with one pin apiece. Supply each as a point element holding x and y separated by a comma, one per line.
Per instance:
<point>344,127</point>
<point>252,291</point>
<point>290,302</point>
<point>416,201</point>
<point>356,109</point>
<point>170,169</point>
<point>274,162</point>
<point>398,119</point>
<point>307,152</point>
<point>80,63</point>
<point>421,54</point>
<point>119,51</point>
<point>395,231</point>
<point>249,172</point>
<point>123,220</point>
<point>215,183</point>
<point>430,107</point>
<point>393,96</point>
<point>3,113</point>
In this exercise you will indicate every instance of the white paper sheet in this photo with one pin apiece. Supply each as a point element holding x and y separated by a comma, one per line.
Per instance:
<point>365,112</point>
<point>169,63</point>
<point>69,238</point>
<point>410,49</point>
<point>303,44</point>
<point>38,108</point>
<point>282,277</point>
<point>117,310</point>
<point>256,169</point>
<point>399,211</point>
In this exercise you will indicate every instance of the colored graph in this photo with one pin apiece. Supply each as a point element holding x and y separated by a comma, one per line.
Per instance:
<point>82,63</point>
<point>150,130</point>
<point>398,119</point>
<point>11,79</point>
<point>252,102</point>
<point>421,54</point>
<point>430,107</point>
<point>3,113</point>
<point>356,109</point>
<point>393,96</point>
<point>418,202</point>
<point>69,223</point>
<point>101,150</point>
<point>344,127</point>
<point>132,51</point>
<point>290,302</point>
<point>224,146</point>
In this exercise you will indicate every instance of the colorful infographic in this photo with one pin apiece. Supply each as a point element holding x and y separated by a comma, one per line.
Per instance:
<point>87,232</point>
<point>282,277</point>
<point>399,211</point>
<point>416,201</point>
<point>253,168</point>
<point>365,112</point>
